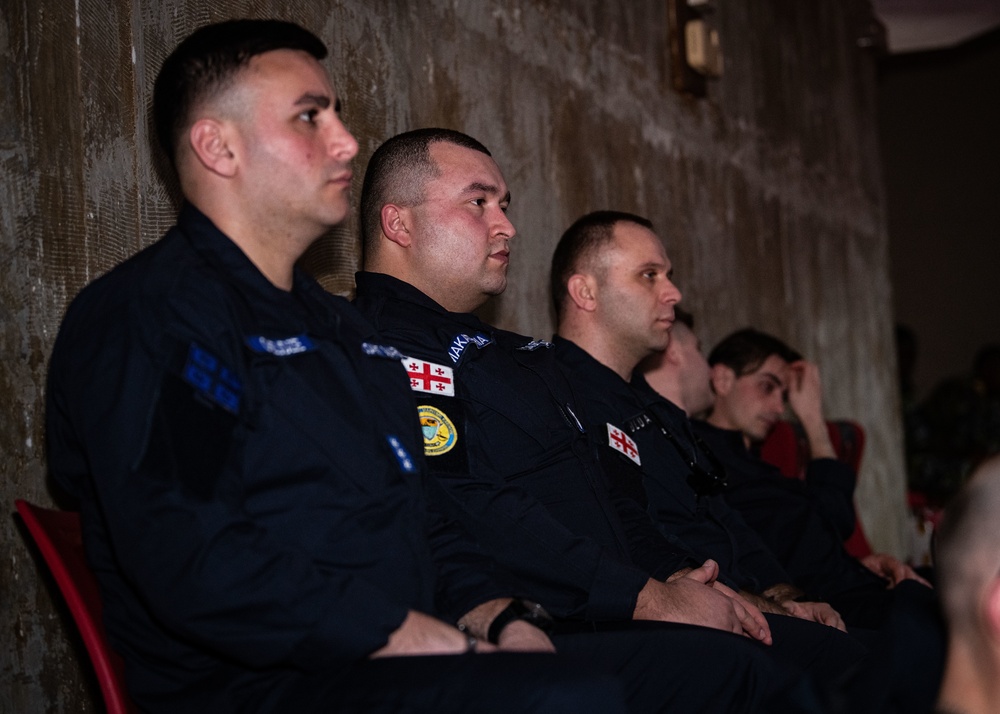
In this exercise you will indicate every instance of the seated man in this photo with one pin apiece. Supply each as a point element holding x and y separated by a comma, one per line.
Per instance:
<point>803,522</point>
<point>505,433</point>
<point>615,302</point>
<point>200,398</point>
<point>968,562</point>
<point>751,372</point>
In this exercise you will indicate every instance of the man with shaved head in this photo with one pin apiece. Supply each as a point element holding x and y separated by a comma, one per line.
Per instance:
<point>968,568</point>
<point>512,454</point>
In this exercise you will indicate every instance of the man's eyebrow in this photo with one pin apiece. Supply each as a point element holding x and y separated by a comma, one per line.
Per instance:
<point>314,100</point>
<point>476,187</point>
<point>771,377</point>
<point>656,265</point>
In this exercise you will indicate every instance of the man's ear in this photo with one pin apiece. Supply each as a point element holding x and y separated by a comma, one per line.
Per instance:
<point>210,143</point>
<point>395,221</point>
<point>582,290</point>
<point>723,378</point>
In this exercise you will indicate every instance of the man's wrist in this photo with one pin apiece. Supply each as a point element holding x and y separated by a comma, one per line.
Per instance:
<point>530,612</point>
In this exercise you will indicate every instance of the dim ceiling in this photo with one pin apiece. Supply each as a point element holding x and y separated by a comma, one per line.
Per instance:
<point>918,25</point>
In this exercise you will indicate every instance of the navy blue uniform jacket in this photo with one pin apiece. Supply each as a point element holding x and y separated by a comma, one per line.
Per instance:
<point>804,522</point>
<point>249,474</point>
<point>516,462</point>
<point>705,523</point>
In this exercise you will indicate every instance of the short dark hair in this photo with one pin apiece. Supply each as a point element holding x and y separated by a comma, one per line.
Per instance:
<point>207,61</point>
<point>745,351</point>
<point>581,242</point>
<point>397,173</point>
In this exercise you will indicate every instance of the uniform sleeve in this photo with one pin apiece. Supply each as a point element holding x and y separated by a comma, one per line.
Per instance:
<point>155,456</point>
<point>467,576</point>
<point>571,575</point>
<point>659,554</point>
<point>830,486</point>
<point>755,557</point>
<point>804,542</point>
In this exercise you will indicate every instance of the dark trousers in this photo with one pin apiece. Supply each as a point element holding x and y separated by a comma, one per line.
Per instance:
<point>627,667</point>
<point>908,654</point>
<point>665,667</point>
<point>499,683</point>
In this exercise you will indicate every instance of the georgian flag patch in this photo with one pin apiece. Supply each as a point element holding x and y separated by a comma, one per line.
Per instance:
<point>620,441</point>
<point>430,377</point>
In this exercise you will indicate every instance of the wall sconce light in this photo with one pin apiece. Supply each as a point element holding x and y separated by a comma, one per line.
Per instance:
<point>695,51</point>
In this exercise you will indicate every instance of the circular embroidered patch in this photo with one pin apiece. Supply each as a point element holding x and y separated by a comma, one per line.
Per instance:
<point>439,431</point>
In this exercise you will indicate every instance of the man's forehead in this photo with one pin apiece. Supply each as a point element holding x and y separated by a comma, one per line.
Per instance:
<point>466,168</point>
<point>773,369</point>
<point>638,240</point>
<point>284,66</point>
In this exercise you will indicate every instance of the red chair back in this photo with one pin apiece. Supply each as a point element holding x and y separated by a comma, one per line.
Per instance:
<point>57,535</point>
<point>787,448</point>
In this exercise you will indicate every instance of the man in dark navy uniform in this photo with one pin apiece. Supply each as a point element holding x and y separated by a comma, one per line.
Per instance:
<point>244,449</point>
<point>504,430</point>
<point>614,302</point>
<point>615,299</point>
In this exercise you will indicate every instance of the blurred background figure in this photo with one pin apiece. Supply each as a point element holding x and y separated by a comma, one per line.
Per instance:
<point>968,563</point>
<point>956,428</point>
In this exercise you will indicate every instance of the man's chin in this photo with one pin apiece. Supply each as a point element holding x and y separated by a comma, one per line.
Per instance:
<point>497,288</point>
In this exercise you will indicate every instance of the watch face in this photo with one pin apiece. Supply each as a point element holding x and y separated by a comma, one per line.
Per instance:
<point>537,616</point>
<point>530,612</point>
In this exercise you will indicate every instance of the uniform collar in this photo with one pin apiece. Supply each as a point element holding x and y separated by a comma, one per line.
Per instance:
<point>731,438</point>
<point>372,285</point>
<point>582,362</point>
<point>220,250</point>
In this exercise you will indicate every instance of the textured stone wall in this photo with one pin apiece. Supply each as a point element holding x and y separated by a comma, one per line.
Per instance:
<point>767,193</point>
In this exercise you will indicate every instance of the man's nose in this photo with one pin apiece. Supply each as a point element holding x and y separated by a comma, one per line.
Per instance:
<point>342,144</point>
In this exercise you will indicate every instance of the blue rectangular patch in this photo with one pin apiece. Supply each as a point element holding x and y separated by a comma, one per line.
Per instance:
<point>387,351</point>
<point>403,457</point>
<point>213,379</point>
<point>285,347</point>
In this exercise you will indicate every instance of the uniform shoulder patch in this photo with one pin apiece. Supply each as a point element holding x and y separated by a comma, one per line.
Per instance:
<point>430,377</point>
<point>211,377</point>
<point>463,340</point>
<point>534,345</point>
<point>440,435</point>
<point>621,442</point>
<point>387,351</point>
<point>403,458</point>
<point>638,423</point>
<point>284,347</point>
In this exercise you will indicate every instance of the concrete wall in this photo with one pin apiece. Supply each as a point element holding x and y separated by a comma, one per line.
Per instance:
<point>767,193</point>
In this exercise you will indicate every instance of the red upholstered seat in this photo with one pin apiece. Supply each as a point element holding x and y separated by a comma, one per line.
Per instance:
<point>57,535</point>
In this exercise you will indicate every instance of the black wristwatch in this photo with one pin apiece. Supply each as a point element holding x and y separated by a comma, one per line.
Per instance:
<point>530,612</point>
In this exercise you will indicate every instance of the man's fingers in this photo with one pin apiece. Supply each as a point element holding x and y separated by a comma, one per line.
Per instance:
<point>706,573</point>
<point>750,624</point>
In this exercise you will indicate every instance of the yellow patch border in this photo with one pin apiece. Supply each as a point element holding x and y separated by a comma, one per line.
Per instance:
<point>445,436</point>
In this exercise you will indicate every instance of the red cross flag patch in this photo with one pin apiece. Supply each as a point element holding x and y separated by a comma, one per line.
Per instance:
<point>620,441</point>
<point>429,377</point>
